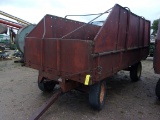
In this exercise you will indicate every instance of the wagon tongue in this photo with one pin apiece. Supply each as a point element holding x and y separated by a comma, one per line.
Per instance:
<point>46,105</point>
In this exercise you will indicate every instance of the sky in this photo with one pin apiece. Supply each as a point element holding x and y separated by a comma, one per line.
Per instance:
<point>34,10</point>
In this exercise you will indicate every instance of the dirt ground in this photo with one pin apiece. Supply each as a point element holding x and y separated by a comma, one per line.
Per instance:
<point>20,97</point>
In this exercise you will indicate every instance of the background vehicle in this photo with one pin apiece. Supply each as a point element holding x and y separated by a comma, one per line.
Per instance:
<point>156,63</point>
<point>152,46</point>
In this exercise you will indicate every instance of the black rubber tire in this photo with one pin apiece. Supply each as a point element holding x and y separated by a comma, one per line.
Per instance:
<point>135,72</point>
<point>157,90</point>
<point>97,95</point>
<point>151,55</point>
<point>46,86</point>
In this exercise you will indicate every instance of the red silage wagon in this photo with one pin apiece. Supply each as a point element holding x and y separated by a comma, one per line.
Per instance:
<point>72,53</point>
<point>156,62</point>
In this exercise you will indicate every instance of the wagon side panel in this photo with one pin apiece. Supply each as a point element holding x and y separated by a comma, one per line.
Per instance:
<point>122,29</point>
<point>141,32</point>
<point>75,56</point>
<point>133,32</point>
<point>107,36</point>
<point>122,41</point>
<point>50,56</point>
<point>147,33</point>
<point>33,53</point>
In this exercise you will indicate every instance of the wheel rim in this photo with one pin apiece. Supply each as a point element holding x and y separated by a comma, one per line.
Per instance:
<point>102,93</point>
<point>139,71</point>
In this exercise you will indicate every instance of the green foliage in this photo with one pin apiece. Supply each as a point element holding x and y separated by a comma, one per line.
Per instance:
<point>155,27</point>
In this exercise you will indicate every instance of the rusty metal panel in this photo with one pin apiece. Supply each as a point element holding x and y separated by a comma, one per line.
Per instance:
<point>104,65</point>
<point>48,27</point>
<point>75,56</point>
<point>68,58</point>
<point>133,31</point>
<point>33,53</point>
<point>107,36</point>
<point>88,32</point>
<point>141,32</point>
<point>50,54</point>
<point>122,29</point>
<point>56,27</point>
<point>53,27</point>
<point>147,33</point>
<point>38,31</point>
<point>114,62</point>
<point>156,62</point>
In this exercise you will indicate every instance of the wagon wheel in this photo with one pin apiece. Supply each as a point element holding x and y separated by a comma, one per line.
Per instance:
<point>46,85</point>
<point>135,72</point>
<point>157,90</point>
<point>97,95</point>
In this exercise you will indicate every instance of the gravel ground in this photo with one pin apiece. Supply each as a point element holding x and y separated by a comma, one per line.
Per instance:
<point>20,97</point>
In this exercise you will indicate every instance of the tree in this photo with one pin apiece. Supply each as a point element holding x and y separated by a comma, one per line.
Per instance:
<point>155,27</point>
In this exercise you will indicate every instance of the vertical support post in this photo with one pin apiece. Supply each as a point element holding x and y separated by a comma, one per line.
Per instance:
<point>127,29</point>
<point>58,56</point>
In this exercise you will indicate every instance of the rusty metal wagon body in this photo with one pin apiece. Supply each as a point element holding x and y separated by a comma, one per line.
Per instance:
<point>156,60</point>
<point>74,53</point>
